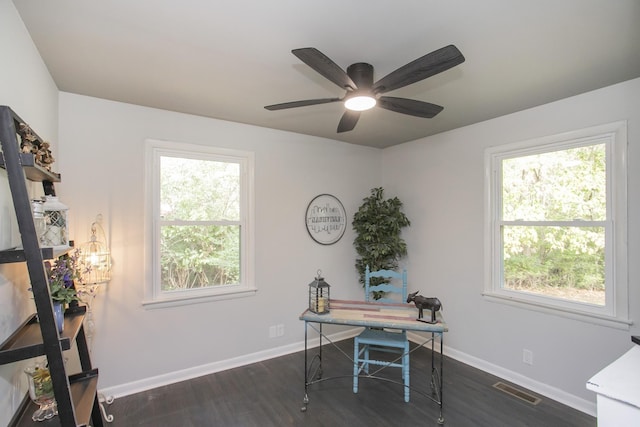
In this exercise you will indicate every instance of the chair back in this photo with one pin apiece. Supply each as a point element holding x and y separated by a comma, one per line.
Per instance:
<point>392,289</point>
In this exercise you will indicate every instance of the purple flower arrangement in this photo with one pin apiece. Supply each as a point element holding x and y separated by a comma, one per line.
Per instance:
<point>62,274</point>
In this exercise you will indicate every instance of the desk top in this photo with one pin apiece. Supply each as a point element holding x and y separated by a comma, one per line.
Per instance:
<point>621,379</point>
<point>376,315</point>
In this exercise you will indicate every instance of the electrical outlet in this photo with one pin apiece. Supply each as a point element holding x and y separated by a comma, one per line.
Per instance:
<point>280,330</point>
<point>273,331</point>
<point>527,357</point>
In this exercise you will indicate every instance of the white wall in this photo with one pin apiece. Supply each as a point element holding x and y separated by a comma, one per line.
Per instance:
<point>102,168</point>
<point>27,87</point>
<point>441,181</point>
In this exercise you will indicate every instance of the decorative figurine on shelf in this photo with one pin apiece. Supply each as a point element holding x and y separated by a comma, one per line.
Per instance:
<point>421,302</point>
<point>31,144</point>
<point>43,155</point>
<point>29,139</point>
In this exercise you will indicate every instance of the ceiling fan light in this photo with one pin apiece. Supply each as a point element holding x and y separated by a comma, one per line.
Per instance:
<point>360,103</point>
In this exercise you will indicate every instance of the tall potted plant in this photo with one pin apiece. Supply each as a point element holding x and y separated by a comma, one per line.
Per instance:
<point>378,225</point>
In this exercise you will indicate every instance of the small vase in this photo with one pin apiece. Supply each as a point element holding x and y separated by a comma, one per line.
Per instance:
<point>41,392</point>
<point>58,313</point>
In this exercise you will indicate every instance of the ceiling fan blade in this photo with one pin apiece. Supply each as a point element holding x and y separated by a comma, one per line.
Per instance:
<point>348,121</point>
<point>426,66</point>
<point>294,104</point>
<point>409,106</point>
<point>324,66</point>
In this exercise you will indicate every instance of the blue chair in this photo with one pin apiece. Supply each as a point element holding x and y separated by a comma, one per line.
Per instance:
<point>393,289</point>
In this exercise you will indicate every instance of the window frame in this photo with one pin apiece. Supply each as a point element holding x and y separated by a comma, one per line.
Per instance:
<point>154,297</point>
<point>615,311</point>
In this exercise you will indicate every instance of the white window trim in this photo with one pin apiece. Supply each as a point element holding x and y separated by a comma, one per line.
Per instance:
<point>616,312</point>
<point>153,297</point>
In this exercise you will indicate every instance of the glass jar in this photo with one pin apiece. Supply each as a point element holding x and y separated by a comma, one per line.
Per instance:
<point>41,391</point>
<point>38,218</point>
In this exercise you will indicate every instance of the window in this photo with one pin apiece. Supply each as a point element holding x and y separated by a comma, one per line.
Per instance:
<point>556,224</point>
<point>200,228</point>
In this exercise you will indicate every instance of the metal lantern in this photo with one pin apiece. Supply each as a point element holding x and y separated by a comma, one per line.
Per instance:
<point>56,231</point>
<point>319,295</point>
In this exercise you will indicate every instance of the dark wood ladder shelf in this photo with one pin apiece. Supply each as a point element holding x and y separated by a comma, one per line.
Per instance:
<point>32,170</point>
<point>17,254</point>
<point>76,395</point>
<point>26,342</point>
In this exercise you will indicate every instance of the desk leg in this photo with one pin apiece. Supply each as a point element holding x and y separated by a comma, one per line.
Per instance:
<point>440,377</point>
<point>320,353</point>
<point>305,400</point>
<point>436,376</point>
<point>309,377</point>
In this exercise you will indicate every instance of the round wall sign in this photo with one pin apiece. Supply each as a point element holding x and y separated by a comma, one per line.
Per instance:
<point>325,219</point>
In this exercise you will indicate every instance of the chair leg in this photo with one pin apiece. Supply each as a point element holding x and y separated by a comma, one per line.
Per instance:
<point>405,373</point>
<point>361,355</point>
<point>355,364</point>
<point>366,358</point>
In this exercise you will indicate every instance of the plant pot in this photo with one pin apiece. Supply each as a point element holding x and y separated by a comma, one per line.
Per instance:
<point>58,314</point>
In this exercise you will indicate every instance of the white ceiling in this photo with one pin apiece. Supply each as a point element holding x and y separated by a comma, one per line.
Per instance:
<point>228,59</point>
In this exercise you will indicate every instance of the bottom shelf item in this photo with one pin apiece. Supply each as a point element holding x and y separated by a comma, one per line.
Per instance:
<point>84,387</point>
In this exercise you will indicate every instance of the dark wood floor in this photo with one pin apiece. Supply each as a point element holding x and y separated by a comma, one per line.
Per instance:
<point>270,393</point>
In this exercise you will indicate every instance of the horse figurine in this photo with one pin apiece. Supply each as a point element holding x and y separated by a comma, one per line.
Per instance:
<point>421,302</point>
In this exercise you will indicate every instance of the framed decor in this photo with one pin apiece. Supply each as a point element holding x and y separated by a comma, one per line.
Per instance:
<point>325,219</point>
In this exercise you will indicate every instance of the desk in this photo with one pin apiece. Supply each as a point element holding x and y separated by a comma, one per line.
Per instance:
<point>374,315</point>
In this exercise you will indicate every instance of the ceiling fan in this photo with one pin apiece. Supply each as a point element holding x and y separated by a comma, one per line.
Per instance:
<point>363,94</point>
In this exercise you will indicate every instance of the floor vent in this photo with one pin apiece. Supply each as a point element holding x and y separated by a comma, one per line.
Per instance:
<point>522,395</point>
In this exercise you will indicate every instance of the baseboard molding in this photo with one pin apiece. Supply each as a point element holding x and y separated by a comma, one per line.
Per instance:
<point>540,388</point>
<point>223,365</point>
<point>219,366</point>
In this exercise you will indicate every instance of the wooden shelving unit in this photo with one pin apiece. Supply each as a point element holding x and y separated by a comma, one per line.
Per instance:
<point>76,395</point>
<point>27,343</point>
<point>32,170</point>
<point>81,386</point>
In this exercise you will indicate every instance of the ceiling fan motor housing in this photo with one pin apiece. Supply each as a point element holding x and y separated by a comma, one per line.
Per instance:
<point>362,75</point>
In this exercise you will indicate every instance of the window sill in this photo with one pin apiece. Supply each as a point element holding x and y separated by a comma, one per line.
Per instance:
<point>197,298</point>
<point>597,319</point>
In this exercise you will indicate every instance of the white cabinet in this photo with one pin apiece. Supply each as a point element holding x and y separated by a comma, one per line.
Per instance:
<point>618,391</point>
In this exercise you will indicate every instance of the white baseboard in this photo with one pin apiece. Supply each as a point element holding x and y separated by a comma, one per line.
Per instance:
<point>540,388</point>
<point>222,365</point>
<point>211,368</point>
